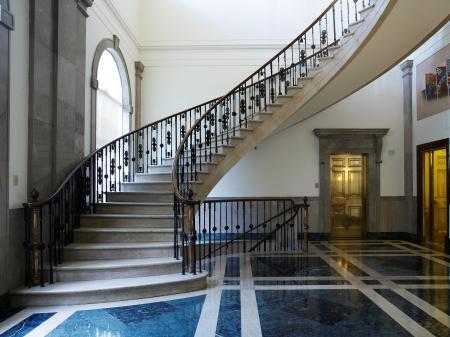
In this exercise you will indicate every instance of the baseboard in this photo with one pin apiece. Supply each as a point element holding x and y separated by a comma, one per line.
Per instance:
<point>315,236</point>
<point>392,236</point>
<point>4,304</point>
<point>370,236</point>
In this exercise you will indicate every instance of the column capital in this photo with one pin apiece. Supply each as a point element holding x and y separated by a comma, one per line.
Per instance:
<point>83,6</point>
<point>139,69</point>
<point>406,67</point>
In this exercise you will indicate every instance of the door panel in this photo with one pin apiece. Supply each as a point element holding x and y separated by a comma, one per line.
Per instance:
<point>347,173</point>
<point>434,208</point>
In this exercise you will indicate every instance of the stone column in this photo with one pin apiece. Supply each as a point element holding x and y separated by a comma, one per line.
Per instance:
<point>407,73</point>
<point>56,104</point>
<point>139,70</point>
<point>6,25</point>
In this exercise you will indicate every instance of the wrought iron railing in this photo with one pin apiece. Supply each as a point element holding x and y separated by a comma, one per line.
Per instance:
<point>240,225</point>
<point>236,110</point>
<point>50,223</point>
<point>191,138</point>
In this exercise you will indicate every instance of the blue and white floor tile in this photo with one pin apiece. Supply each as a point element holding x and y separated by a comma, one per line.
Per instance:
<point>341,288</point>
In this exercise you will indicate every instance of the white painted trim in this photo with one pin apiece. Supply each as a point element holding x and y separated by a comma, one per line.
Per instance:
<point>128,43</point>
<point>122,21</point>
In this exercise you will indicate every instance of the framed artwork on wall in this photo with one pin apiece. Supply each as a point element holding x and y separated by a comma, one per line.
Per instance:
<point>433,84</point>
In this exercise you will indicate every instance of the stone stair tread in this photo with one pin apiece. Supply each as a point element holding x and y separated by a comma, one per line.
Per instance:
<point>149,182</point>
<point>125,216</point>
<point>120,245</point>
<point>132,203</point>
<point>111,284</point>
<point>156,182</point>
<point>123,230</point>
<point>144,192</point>
<point>112,264</point>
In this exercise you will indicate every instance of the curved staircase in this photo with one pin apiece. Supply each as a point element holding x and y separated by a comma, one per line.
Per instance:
<point>123,251</point>
<point>124,236</point>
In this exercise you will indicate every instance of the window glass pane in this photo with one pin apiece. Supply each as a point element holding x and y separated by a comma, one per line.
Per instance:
<point>109,119</point>
<point>108,76</point>
<point>111,122</point>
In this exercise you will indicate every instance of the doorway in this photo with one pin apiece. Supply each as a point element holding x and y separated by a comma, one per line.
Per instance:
<point>348,177</point>
<point>432,193</point>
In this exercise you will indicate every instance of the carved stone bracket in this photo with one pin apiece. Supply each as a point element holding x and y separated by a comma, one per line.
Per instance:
<point>6,18</point>
<point>139,69</point>
<point>83,6</point>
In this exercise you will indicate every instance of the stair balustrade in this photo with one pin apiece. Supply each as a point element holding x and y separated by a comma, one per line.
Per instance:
<point>190,142</point>
<point>234,114</point>
<point>50,222</point>
<point>240,225</point>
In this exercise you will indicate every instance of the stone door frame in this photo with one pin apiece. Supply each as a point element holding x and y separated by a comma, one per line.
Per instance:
<point>355,141</point>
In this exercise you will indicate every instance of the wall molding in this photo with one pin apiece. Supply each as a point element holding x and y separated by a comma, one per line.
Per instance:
<point>116,25</point>
<point>112,8</point>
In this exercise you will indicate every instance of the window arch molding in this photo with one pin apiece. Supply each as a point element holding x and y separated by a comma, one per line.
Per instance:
<point>111,45</point>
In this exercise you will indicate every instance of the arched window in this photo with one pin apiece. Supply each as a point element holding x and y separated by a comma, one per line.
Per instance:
<point>111,95</point>
<point>111,122</point>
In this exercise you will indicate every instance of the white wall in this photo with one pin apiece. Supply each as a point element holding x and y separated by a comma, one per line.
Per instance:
<point>287,163</point>
<point>195,50</point>
<point>18,147</point>
<point>438,126</point>
<point>104,21</point>
<point>205,22</point>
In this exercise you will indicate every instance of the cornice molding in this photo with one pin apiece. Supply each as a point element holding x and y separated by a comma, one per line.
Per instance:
<point>110,5</point>
<point>350,132</point>
<point>109,17</point>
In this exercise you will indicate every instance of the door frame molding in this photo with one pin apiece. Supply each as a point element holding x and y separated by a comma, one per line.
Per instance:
<point>420,149</point>
<point>353,141</point>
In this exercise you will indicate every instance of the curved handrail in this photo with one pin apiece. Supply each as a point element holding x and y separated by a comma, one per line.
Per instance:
<point>322,33</point>
<point>92,154</point>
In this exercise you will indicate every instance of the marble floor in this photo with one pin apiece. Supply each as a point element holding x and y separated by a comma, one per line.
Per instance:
<point>354,288</point>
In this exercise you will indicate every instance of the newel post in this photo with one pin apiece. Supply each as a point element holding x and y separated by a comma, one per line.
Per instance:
<point>33,222</point>
<point>192,234</point>
<point>305,222</point>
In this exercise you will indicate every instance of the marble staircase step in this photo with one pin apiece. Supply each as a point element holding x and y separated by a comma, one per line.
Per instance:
<point>122,235</point>
<point>97,291</point>
<point>214,158</point>
<point>126,220</point>
<point>109,251</point>
<point>168,168</point>
<point>143,208</point>
<point>112,269</point>
<point>166,197</point>
<point>152,177</point>
<point>159,186</point>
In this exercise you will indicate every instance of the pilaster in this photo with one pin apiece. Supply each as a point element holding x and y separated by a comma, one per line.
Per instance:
<point>139,70</point>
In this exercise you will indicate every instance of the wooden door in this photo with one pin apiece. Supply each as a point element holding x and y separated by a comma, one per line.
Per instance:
<point>348,194</point>
<point>434,208</point>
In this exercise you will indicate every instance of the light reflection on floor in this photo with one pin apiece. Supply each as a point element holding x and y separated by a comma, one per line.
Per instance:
<point>372,288</point>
